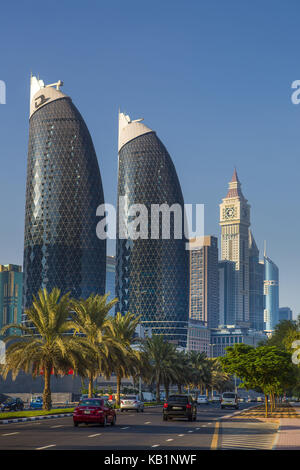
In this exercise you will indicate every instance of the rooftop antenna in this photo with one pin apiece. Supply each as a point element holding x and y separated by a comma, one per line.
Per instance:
<point>57,84</point>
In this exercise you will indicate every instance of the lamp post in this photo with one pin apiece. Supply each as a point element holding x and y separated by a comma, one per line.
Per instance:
<point>139,306</point>
<point>212,356</point>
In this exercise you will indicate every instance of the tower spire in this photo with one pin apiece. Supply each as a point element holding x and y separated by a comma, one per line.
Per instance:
<point>235,186</point>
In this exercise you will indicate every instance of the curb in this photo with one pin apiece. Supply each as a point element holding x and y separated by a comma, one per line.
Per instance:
<point>34,418</point>
<point>276,437</point>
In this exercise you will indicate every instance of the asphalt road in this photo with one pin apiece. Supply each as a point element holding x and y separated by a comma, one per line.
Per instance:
<point>133,431</point>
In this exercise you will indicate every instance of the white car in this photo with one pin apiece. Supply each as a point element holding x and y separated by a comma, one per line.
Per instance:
<point>202,399</point>
<point>131,402</point>
<point>229,399</point>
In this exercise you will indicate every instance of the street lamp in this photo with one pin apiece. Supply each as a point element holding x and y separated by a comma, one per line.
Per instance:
<point>139,306</point>
<point>212,356</point>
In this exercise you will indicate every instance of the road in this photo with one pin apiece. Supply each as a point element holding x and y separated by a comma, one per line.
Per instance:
<point>134,431</point>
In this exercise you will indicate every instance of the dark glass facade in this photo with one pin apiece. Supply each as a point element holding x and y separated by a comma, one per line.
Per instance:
<point>271,292</point>
<point>63,191</point>
<point>256,287</point>
<point>152,275</point>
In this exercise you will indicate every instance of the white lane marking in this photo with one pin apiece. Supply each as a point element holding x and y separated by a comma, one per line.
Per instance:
<point>204,426</point>
<point>94,435</point>
<point>147,422</point>
<point>190,431</point>
<point>57,426</point>
<point>45,447</point>
<point>169,440</point>
<point>180,435</point>
<point>10,434</point>
<point>126,427</point>
<point>156,445</point>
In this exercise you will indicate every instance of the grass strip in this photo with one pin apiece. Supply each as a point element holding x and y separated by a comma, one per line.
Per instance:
<point>33,413</point>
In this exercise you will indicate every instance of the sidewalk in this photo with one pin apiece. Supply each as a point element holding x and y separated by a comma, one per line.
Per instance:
<point>288,435</point>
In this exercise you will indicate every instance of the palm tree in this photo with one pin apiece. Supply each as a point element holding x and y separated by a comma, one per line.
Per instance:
<point>90,324</point>
<point>220,380</point>
<point>124,359</point>
<point>201,370</point>
<point>45,347</point>
<point>162,359</point>
<point>184,370</point>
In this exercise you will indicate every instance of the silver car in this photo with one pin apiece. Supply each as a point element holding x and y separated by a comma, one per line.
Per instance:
<point>131,402</point>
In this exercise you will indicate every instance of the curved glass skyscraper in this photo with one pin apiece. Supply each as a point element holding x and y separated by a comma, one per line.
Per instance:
<point>151,273</point>
<point>63,191</point>
<point>271,292</point>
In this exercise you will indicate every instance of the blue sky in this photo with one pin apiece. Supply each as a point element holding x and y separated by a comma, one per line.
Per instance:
<point>213,78</point>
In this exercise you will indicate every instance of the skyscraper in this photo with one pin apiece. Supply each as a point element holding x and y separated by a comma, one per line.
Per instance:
<point>285,313</point>
<point>151,273</point>
<point>271,293</point>
<point>204,282</point>
<point>235,222</point>
<point>11,282</point>
<point>110,277</point>
<point>63,191</point>
<point>227,292</point>
<point>256,287</point>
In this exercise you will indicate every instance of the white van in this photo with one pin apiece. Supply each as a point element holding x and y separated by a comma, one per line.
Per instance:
<point>229,399</point>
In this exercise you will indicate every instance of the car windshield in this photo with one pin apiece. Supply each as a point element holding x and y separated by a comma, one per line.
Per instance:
<point>178,399</point>
<point>131,397</point>
<point>91,402</point>
<point>228,395</point>
<point>202,396</point>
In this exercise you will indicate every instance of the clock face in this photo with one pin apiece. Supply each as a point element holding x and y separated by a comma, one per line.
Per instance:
<point>229,212</point>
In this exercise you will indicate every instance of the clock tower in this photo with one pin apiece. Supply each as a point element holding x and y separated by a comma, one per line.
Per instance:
<point>235,222</point>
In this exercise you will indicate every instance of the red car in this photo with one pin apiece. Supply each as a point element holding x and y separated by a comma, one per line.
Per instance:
<point>94,410</point>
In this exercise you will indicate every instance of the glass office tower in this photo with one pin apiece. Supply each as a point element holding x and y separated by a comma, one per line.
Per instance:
<point>271,292</point>
<point>151,274</point>
<point>63,191</point>
<point>11,282</point>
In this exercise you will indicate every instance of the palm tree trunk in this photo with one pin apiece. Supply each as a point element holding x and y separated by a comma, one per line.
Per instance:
<point>179,389</point>
<point>266,405</point>
<point>167,391</point>
<point>118,388</point>
<point>91,384</point>
<point>157,391</point>
<point>47,402</point>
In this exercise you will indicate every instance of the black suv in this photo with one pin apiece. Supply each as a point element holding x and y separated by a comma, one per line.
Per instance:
<point>180,406</point>
<point>12,404</point>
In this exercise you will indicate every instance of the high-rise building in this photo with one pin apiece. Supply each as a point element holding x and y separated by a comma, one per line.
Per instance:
<point>63,191</point>
<point>110,277</point>
<point>198,337</point>
<point>151,271</point>
<point>204,282</point>
<point>256,287</point>
<point>226,292</point>
<point>235,222</point>
<point>224,337</point>
<point>285,313</point>
<point>11,283</point>
<point>271,293</point>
